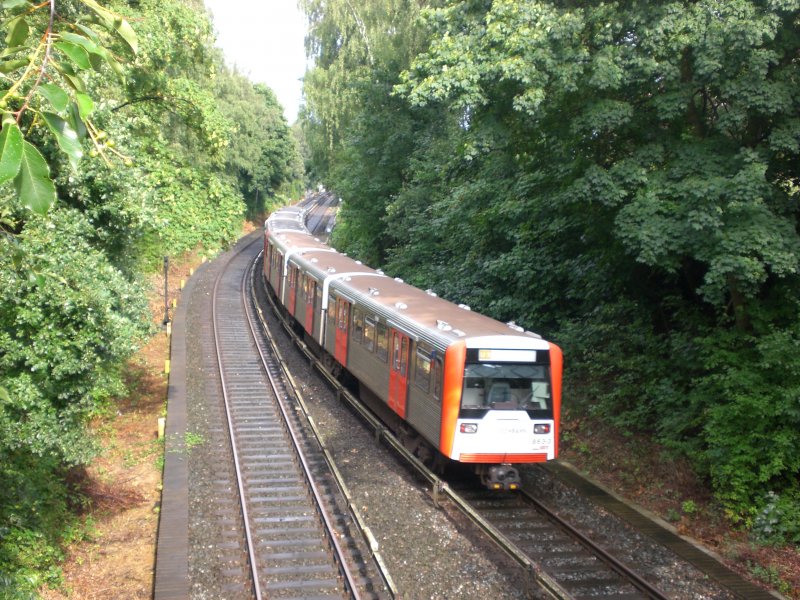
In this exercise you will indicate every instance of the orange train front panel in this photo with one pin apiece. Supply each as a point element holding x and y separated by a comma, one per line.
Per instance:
<point>454,359</point>
<point>502,402</point>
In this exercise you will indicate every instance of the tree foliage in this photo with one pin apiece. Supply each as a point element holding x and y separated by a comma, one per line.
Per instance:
<point>622,177</point>
<point>49,56</point>
<point>115,150</point>
<point>263,154</point>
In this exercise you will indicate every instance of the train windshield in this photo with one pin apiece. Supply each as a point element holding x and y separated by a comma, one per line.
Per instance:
<point>506,386</point>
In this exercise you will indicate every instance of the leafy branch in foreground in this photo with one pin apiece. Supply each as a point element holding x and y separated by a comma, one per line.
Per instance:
<point>46,64</point>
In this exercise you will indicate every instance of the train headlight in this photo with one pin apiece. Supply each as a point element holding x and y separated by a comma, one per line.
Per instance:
<point>469,428</point>
<point>541,428</point>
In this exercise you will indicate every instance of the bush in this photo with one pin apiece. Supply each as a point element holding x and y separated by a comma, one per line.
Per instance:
<point>67,321</point>
<point>752,421</point>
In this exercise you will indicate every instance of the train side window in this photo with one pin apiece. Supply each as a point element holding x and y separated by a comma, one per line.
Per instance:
<point>404,357</point>
<point>343,314</point>
<point>383,342</point>
<point>396,352</point>
<point>311,285</point>
<point>369,334</point>
<point>422,373</point>
<point>358,325</point>
<point>437,379</point>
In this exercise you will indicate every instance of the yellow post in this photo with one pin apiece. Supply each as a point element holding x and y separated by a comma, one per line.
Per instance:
<point>174,302</point>
<point>183,282</point>
<point>169,329</point>
<point>162,424</point>
<point>166,367</point>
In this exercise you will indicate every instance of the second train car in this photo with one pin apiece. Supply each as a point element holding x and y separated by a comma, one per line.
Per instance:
<point>454,384</point>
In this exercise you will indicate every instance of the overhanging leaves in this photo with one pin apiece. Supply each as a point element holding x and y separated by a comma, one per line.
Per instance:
<point>33,184</point>
<point>66,136</point>
<point>58,98</point>
<point>116,23</point>
<point>10,151</point>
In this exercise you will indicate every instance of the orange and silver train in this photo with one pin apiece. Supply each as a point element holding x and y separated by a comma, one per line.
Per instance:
<point>452,383</point>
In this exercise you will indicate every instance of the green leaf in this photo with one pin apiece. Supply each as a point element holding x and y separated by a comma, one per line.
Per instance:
<point>18,31</point>
<point>85,105</point>
<point>90,33</point>
<point>33,184</point>
<point>10,151</point>
<point>9,4</point>
<point>12,65</point>
<point>58,98</point>
<point>75,81</point>
<point>75,120</point>
<point>15,50</point>
<point>79,40</point>
<point>66,137</point>
<point>126,32</point>
<point>115,22</point>
<point>77,54</point>
<point>4,395</point>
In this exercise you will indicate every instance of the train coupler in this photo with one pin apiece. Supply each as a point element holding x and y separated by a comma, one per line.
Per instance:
<point>500,477</point>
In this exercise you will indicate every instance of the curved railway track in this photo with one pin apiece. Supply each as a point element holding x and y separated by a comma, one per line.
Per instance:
<point>298,537</point>
<point>321,212</point>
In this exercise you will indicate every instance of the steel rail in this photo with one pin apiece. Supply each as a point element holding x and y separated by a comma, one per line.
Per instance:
<point>329,527</point>
<point>251,558</point>
<point>615,564</point>
<point>365,531</point>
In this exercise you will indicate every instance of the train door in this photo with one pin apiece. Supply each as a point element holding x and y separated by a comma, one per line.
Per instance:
<point>398,373</point>
<point>292,289</point>
<point>310,293</point>
<point>342,324</point>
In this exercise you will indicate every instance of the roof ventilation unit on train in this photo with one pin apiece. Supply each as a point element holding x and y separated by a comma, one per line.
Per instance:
<point>431,293</point>
<point>515,327</point>
<point>400,305</point>
<point>373,291</point>
<point>443,325</point>
<point>464,306</point>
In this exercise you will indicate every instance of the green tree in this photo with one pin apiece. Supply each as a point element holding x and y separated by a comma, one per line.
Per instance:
<point>622,177</point>
<point>263,152</point>
<point>650,160</point>
<point>49,55</point>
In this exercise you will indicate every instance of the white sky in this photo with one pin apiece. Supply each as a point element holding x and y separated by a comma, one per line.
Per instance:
<point>264,40</point>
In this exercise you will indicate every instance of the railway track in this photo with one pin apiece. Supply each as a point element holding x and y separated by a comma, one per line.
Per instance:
<point>566,562</point>
<point>298,538</point>
<point>321,213</point>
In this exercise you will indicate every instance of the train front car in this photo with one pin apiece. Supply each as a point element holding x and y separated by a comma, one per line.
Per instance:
<point>501,405</point>
<point>452,383</point>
